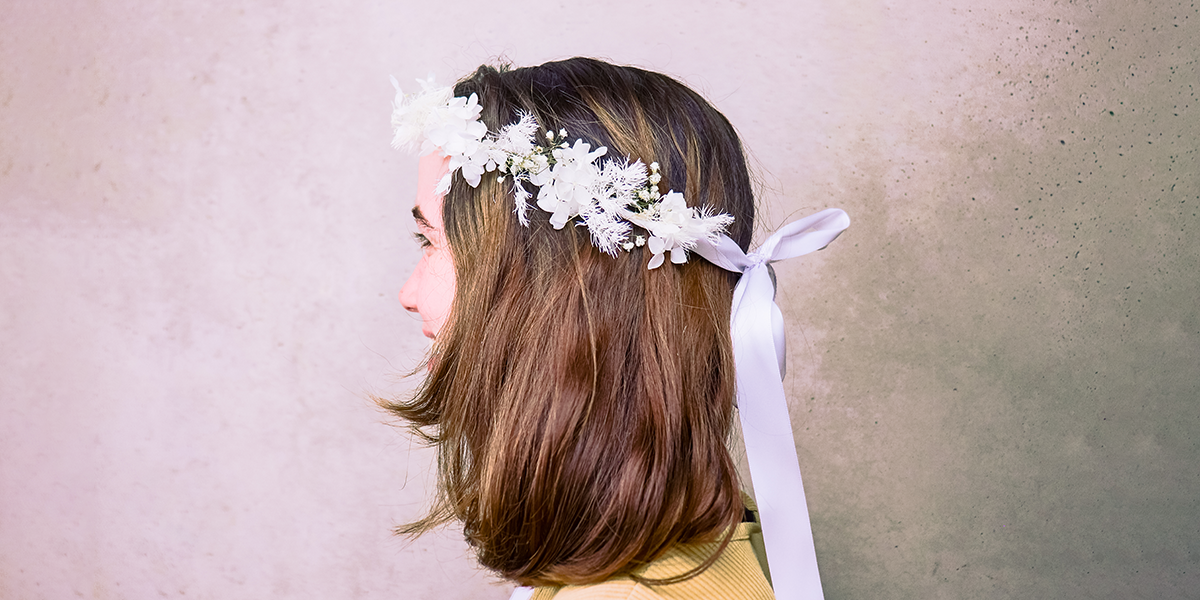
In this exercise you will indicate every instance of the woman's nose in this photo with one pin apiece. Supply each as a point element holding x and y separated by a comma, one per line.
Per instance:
<point>408,293</point>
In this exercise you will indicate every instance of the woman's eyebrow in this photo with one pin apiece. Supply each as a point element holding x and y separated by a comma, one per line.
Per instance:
<point>420,218</point>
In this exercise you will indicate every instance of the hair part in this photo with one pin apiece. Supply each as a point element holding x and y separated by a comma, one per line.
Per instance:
<point>580,402</point>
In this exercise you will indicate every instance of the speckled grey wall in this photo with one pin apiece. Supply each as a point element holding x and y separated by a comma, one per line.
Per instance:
<point>1011,360</point>
<point>993,373</point>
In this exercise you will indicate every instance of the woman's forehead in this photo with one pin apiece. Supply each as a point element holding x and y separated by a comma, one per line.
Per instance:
<point>430,170</point>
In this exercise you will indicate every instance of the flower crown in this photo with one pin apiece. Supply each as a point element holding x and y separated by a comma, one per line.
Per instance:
<point>609,197</point>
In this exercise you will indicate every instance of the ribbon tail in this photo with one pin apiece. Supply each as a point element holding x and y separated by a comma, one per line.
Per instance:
<point>770,445</point>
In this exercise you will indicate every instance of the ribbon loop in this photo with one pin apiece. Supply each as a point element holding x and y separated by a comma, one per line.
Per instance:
<point>759,350</point>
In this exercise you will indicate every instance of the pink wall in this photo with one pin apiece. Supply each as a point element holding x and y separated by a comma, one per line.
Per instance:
<point>203,231</point>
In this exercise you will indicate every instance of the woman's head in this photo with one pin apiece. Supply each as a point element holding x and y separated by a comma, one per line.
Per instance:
<point>580,401</point>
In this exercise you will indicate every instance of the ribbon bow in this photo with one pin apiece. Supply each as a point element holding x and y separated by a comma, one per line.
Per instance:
<point>759,354</point>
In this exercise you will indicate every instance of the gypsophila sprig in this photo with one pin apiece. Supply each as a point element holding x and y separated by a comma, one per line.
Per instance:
<point>608,197</point>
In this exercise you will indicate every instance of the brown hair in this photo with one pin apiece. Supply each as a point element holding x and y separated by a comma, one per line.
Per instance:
<point>580,402</point>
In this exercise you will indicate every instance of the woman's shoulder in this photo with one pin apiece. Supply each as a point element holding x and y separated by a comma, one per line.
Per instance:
<point>736,575</point>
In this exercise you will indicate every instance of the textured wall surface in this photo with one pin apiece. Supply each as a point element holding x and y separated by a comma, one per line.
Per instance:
<point>995,373</point>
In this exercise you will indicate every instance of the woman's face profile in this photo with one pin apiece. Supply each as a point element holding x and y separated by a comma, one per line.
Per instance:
<point>429,291</point>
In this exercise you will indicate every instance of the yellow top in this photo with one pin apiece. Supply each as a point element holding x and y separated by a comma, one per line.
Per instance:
<point>736,575</point>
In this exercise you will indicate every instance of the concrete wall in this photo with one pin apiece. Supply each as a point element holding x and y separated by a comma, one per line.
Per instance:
<point>994,373</point>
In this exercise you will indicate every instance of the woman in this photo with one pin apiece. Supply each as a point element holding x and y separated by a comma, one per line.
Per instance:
<point>581,386</point>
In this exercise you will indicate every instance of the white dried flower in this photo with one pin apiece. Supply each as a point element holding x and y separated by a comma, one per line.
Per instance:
<point>609,197</point>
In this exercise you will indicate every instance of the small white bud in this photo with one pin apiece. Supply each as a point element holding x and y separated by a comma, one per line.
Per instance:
<point>640,241</point>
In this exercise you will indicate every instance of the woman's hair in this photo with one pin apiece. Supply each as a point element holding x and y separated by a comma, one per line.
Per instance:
<point>580,402</point>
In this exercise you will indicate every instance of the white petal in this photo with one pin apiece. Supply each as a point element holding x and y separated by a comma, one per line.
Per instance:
<point>657,245</point>
<point>678,255</point>
<point>560,217</point>
<point>472,174</point>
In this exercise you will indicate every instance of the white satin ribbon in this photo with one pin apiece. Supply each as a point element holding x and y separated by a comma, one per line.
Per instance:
<point>759,354</point>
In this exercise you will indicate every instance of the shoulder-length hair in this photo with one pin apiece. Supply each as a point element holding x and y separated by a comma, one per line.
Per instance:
<point>580,402</point>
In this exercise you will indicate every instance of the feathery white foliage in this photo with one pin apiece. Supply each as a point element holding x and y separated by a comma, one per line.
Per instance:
<point>411,113</point>
<point>609,197</point>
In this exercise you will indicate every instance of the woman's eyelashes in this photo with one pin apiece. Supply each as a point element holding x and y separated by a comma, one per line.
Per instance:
<point>422,241</point>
